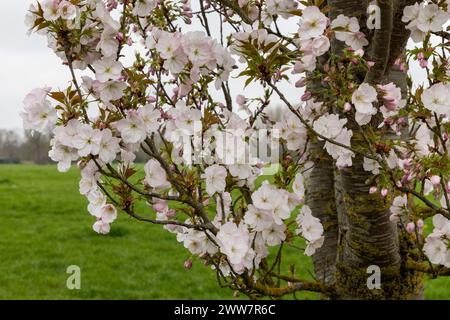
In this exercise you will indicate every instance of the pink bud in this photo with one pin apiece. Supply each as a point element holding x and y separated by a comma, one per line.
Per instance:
<point>372,190</point>
<point>410,227</point>
<point>388,121</point>
<point>391,104</point>
<point>370,64</point>
<point>435,180</point>
<point>306,96</point>
<point>241,100</point>
<point>160,206</point>
<point>406,177</point>
<point>420,225</point>
<point>347,107</point>
<point>423,63</point>
<point>401,121</point>
<point>171,213</point>
<point>384,192</point>
<point>151,99</point>
<point>359,52</point>
<point>300,83</point>
<point>119,36</point>
<point>188,264</point>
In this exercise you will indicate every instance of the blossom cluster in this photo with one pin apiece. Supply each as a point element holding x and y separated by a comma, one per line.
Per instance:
<point>424,17</point>
<point>193,53</point>
<point>161,104</point>
<point>437,244</point>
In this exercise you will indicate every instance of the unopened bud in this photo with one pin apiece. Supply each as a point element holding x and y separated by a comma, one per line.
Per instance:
<point>420,225</point>
<point>171,213</point>
<point>306,96</point>
<point>410,227</point>
<point>188,264</point>
<point>435,180</point>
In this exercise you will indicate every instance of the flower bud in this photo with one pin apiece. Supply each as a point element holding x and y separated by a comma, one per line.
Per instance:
<point>423,63</point>
<point>119,36</point>
<point>151,99</point>
<point>306,96</point>
<point>160,206</point>
<point>410,227</point>
<point>188,264</point>
<point>171,213</point>
<point>347,107</point>
<point>420,225</point>
<point>241,100</point>
<point>435,180</point>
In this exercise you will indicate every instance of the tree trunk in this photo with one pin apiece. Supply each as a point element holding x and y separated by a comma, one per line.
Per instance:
<point>366,235</point>
<point>321,199</point>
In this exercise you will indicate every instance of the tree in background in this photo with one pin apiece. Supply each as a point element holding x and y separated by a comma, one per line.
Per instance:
<point>363,150</point>
<point>9,145</point>
<point>29,146</point>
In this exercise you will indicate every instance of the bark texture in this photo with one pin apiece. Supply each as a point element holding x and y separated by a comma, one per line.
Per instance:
<point>366,235</point>
<point>321,199</point>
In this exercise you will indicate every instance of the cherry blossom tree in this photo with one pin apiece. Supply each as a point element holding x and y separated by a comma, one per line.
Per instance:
<point>363,151</point>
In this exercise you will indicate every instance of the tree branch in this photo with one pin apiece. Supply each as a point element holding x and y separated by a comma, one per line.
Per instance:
<point>309,127</point>
<point>234,6</point>
<point>426,268</point>
<point>300,285</point>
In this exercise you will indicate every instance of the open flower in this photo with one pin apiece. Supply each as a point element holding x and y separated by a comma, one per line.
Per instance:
<point>312,24</point>
<point>363,99</point>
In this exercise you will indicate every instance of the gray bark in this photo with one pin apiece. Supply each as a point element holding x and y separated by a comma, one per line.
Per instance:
<point>321,199</point>
<point>366,235</point>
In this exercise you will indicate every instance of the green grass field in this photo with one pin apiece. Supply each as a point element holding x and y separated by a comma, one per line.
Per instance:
<point>45,227</point>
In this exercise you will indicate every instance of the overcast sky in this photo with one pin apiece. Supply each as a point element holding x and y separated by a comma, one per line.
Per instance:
<point>27,63</point>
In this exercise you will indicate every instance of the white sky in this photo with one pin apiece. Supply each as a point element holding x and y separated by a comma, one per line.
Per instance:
<point>26,63</point>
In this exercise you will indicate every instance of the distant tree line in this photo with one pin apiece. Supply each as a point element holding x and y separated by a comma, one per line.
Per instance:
<point>28,146</point>
<point>16,147</point>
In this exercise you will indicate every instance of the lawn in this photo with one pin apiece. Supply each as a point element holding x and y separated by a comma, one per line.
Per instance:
<point>45,227</point>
